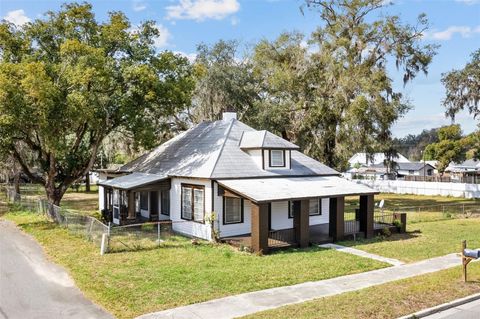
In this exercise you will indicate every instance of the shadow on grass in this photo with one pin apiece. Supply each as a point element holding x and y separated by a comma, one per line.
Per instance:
<point>394,237</point>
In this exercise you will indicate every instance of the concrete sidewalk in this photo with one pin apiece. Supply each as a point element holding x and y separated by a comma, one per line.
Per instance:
<point>361,253</point>
<point>248,303</point>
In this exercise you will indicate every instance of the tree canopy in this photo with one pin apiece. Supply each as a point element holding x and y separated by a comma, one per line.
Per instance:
<point>452,146</point>
<point>463,88</point>
<point>67,81</point>
<point>331,92</point>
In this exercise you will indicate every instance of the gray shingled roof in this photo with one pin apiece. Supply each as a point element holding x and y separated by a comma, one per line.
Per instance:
<point>413,166</point>
<point>133,180</point>
<point>212,150</point>
<point>264,139</point>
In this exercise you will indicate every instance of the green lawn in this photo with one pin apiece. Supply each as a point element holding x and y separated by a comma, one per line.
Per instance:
<point>424,240</point>
<point>179,273</point>
<point>390,300</point>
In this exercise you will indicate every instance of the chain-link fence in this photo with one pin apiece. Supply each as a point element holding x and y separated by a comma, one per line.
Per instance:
<point>440,211</point>
<point>139,236</point>
<point>77,224</point>
<point>109,238</point>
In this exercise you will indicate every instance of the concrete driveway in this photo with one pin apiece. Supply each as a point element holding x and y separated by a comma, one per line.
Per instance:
<point>33,287</point>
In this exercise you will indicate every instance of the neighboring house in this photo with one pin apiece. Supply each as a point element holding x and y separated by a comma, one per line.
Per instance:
<point>257,185</point>
<point>373,172</point>
<point>465,172</point>
<point>362,159</point>
<point>414,169</point>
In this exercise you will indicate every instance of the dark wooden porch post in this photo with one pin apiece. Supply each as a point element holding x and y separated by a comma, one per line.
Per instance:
<point>301,222</point>
<point>131,204</point>
<point>260,228</point>
<point>337,218</point>
<point>366,215</point>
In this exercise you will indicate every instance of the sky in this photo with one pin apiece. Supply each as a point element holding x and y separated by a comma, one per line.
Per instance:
<point>454,25</point>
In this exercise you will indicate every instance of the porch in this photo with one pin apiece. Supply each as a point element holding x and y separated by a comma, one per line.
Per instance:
<point>282,238</point>
<point>136,198</point>
<point>298,191</point>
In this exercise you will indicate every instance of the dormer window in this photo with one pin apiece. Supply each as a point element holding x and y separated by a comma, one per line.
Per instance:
<point>277,158</point>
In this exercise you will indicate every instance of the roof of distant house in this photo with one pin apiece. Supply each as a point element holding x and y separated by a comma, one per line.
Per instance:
<point>376,158</point>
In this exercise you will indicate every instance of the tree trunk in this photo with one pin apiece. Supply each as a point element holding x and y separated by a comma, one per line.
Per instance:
<point>87,182</point>
<point>16,182</point>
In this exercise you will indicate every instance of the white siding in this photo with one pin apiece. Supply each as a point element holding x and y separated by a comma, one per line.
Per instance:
<point>190,228</point>
<point>280,218</point>
<point>100,198</point>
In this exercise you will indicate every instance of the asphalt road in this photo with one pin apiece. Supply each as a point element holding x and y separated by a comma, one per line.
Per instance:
<point>32,287</point>
<point>469,310</point>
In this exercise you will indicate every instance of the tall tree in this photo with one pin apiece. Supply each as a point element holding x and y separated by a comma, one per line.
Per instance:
<point>67,81</point>
<point>337,90</point>
<point>224,81</point>
<point>451,147</point>
<point>463,88</point>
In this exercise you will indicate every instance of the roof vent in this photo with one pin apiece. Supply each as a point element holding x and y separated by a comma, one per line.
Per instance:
<point>227,116</point>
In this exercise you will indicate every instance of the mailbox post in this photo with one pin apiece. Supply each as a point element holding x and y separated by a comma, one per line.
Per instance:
<point>467,256</point>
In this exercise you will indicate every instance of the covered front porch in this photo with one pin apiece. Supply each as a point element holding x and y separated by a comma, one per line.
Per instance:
<point>136,198</point>
<point>298,191</point>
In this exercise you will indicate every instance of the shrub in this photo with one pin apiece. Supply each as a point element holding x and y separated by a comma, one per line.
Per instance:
<point>386,232</point>
<point>397,223</point>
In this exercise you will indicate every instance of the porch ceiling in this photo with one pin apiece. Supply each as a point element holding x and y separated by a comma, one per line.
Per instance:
<point>132,181</point>
<point>294,188</point>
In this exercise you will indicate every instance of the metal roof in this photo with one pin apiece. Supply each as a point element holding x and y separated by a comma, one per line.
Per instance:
<point>212,150</point>
<point>264,139</point>
<point>288,188</point>
<point>133,180</point>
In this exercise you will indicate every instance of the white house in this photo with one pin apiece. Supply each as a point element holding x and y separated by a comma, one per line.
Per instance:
<point>363,159</point>
<point>256,184</point>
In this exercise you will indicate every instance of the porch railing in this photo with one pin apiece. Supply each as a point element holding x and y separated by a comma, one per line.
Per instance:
<point>281,238</point>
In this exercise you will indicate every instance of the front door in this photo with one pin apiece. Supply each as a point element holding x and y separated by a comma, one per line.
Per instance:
<point>154,205</point>
<point>144,211</point>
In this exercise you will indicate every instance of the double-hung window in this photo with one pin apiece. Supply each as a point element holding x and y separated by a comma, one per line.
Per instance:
<point>277,158</point>
<point>193,203</point>
<point>315,207</point>
<point>232,210</point>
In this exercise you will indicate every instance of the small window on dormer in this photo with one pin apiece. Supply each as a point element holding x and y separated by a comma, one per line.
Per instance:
<point>277,158</point>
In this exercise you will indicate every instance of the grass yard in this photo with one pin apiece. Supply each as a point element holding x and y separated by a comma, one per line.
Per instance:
<point>424,240</point>
<point>179,273</point>
<point>390,300</point>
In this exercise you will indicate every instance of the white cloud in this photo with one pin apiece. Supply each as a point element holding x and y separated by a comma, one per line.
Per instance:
<point>234,21</point>
<point>190,56</point>
<point>163,38</point>
<point>448,33</point>
<point>139,5</point>
<point>468,2</point>
<point>200,10</point>
<point>17,17</point>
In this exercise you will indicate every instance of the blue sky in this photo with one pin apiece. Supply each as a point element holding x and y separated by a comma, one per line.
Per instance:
<point>454,24</point>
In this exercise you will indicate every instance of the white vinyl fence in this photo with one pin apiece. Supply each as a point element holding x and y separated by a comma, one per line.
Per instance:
<point>423,188</point>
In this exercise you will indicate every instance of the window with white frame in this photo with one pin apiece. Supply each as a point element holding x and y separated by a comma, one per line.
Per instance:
<point>165,199</point>
<point>193,203</point>
<point>277,158</point>
<point>315,207</point>
<point>232,210</point>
